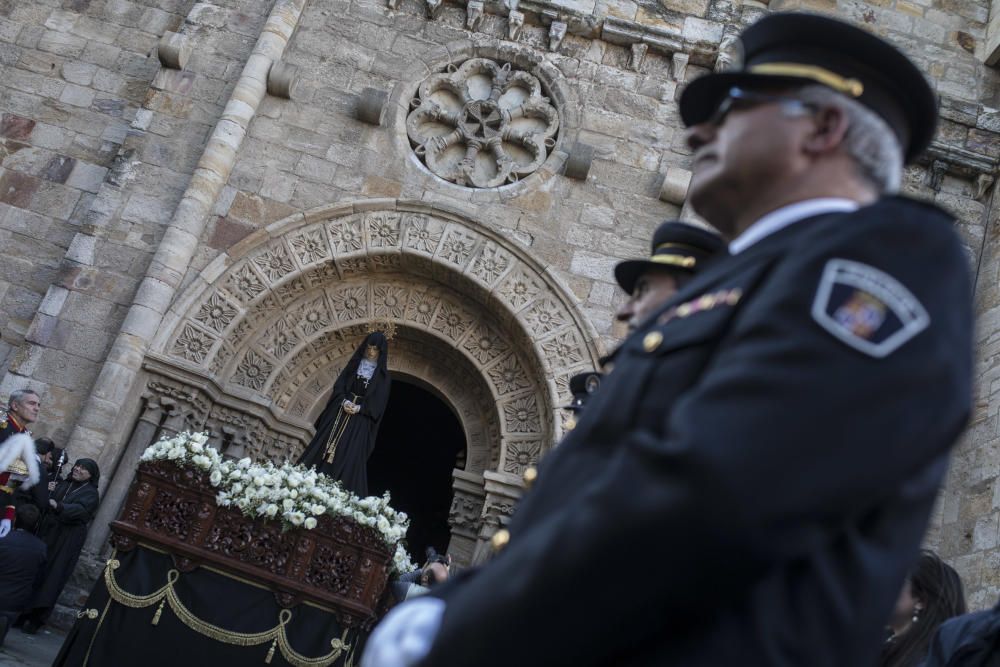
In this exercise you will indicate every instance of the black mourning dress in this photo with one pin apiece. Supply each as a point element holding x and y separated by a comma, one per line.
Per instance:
<point>64,530</point>
<point>343,442</point>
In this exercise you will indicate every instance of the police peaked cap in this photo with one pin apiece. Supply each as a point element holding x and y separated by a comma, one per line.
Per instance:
<point>793,49</point>
<point>676,246</point>
<point>582,385</point>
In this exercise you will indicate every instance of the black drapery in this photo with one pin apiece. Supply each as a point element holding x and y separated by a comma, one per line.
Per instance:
<point>211,621</point>
<point>351,438</point>
<point>64,531</point>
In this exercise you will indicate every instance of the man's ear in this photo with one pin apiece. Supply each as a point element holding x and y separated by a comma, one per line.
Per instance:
<point>829,129</point>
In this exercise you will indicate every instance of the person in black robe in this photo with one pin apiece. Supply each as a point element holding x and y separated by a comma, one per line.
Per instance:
<point>71,507</point>
<point>346,429</point>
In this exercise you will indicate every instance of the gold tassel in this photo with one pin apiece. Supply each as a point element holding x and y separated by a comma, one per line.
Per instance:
<point>270,652</point>
<point>159,612</point>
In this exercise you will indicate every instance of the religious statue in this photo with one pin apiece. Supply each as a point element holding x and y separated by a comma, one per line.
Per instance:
<point>346,429</point>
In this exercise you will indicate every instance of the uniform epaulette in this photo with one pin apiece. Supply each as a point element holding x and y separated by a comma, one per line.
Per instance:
<point>18,467</point>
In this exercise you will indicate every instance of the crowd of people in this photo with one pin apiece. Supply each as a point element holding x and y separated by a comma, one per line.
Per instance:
<point>46,517</point>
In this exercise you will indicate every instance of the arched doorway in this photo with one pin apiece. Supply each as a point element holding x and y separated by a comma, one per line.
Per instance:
<point>419,444</point>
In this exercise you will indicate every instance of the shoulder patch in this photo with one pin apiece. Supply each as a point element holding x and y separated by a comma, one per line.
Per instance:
<point>866,308</point>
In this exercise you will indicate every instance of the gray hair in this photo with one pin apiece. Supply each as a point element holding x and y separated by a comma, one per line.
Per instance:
<point>869,140</point>
<point>18,394</point>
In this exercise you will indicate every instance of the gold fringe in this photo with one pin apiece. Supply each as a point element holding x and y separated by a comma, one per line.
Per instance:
<point>276,635</point>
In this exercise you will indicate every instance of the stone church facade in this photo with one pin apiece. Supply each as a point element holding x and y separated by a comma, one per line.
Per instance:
<point>202,205</point>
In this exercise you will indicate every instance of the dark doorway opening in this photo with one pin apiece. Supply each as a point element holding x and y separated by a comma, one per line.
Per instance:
<point>419,443</point>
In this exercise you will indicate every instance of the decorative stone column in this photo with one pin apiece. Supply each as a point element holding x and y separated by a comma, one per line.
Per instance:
<point>147,427</point>
<point>503,490</point>
<point>466,515</point>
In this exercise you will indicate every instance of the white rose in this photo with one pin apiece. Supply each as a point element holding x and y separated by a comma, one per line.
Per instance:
<point>310,523</point>
<point>199,438</point>
<point>317,509</point>
<point>288,504</point>
<point>237,487</point>
<point>244,463</point>
<point>196,447</point>
<point>215,478</point>
<point>271,509</point>
<point>296,518</point>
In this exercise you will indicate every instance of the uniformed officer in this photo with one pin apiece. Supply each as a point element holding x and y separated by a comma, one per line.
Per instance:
<point>766,453</point>
<point>679,251</point>
<point>581,386</point>
<point>22,411</point>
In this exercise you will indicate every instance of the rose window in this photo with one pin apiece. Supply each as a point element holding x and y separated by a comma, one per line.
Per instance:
<point>482,124</point>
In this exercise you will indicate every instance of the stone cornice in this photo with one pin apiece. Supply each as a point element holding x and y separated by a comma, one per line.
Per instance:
<point>697,38</point>
<point>941,159</point>
<point>626,33</point>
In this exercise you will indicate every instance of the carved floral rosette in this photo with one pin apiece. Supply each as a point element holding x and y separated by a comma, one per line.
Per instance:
<point>482,124</point>
<point>340,565</point>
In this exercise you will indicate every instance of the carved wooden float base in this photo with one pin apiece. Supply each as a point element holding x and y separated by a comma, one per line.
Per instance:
<point>340,565</point>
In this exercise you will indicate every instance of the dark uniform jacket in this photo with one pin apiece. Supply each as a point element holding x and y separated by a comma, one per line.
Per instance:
<point>752,481</point>
<point>22,560</point>
<point>971,640</point>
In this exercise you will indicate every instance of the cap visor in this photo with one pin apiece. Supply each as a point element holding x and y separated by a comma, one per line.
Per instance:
<point>628,272</point>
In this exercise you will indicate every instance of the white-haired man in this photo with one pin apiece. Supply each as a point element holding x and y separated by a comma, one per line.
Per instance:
<point>18,459</point>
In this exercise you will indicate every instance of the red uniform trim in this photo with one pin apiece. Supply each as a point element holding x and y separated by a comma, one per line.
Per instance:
<point>20,429</point>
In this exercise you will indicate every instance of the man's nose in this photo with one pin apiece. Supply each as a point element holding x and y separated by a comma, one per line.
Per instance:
<point>625,313</point>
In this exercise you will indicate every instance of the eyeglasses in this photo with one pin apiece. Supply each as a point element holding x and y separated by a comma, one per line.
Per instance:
<point>739,99</point>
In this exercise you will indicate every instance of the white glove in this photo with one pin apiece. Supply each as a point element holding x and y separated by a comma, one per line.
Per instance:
<point>405,636</point>
<point>4,527</point>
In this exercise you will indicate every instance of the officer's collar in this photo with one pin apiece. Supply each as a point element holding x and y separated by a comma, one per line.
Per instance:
<point>17,424</point>
<point>789,215</point>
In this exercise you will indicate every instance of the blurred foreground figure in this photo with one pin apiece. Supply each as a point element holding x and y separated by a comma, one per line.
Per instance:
<point>766,452</point>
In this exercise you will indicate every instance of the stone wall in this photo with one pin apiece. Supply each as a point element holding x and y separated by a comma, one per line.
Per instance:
<point>102,129</point>
<point>97,143</point>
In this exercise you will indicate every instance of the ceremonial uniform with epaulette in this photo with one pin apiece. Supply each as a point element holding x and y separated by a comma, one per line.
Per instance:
<point>752,481</point>
<point>17,471</point>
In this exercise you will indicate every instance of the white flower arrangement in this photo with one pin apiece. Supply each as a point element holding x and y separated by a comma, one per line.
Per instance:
<point>295,494</point>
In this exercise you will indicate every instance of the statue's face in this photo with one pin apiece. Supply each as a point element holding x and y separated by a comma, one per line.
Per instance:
<point>371,353</point>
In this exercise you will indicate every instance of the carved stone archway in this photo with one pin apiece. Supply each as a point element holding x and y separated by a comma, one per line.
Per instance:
<point>271,322</point>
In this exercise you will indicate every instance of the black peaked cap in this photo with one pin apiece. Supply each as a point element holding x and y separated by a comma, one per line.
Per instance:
<point>678,247</point>
<point>582,385</point>
<point>798,49</point>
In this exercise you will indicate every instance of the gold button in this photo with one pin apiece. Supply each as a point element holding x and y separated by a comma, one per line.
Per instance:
<point>570,424</point>
<point>652,341</point>
<point>530,475</point>
<point>500,539</point>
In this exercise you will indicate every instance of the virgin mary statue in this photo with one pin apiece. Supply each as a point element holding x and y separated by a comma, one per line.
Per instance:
<point>346,429</point>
